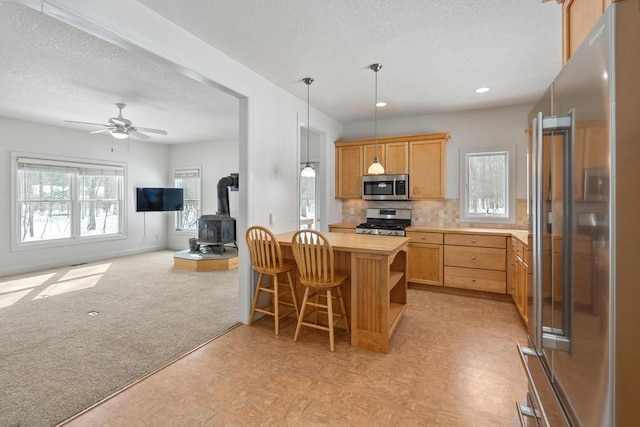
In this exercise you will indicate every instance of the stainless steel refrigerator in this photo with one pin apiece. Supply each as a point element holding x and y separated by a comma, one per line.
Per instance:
<point>583,355</point>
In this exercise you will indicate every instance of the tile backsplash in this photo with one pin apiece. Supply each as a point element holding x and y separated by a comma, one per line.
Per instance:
<point>427,212</point>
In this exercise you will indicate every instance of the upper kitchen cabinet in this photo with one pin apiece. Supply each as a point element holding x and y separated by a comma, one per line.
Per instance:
<point>427,167</point>
<point>394,156</point>
<point>421,156</point>
<point>578,17</point>
<point>348,172</point>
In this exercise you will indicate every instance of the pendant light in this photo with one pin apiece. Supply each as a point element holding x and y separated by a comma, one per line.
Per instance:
<point>308,171</point>
<point>375,168</point>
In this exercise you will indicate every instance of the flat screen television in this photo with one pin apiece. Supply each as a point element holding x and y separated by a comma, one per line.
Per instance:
<point>159,199</point>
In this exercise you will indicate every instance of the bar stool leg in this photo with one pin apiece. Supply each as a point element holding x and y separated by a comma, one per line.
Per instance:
<point>293,295</point>
<point>276,303</point>
<point>330,319</point>
<point>344,309</point>
<point>301,317</point>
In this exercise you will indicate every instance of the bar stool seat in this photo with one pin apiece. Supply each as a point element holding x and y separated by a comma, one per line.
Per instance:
<point>314,258</point>
<point>266,256</point>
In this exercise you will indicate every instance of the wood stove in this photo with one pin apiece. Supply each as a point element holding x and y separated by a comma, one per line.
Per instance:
<point>215,231</point>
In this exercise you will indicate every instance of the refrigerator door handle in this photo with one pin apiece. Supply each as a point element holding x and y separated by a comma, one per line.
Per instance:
<point>555,338</point>
<point>537,230</point>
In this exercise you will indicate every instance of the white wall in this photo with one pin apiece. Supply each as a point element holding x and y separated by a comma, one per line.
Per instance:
<point>146,162</point>
<point>216,159</point>
<point>269,126</point>
<point>494,127</point>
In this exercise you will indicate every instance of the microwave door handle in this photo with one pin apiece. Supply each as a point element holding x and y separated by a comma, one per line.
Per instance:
<point>395,190</point>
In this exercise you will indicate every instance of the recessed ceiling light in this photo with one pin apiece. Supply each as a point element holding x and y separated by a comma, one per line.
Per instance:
<point>381,104</point>
<point>482,90</point>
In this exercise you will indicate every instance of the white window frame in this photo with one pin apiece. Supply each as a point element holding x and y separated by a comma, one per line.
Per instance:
<point>188,170</point>
<point>510,186</point>
<point>76,236</point>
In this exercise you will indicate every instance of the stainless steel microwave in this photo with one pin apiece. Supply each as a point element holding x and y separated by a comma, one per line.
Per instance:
<point>385,187</point>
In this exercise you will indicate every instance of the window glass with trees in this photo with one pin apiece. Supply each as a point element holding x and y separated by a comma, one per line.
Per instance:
<point>487,190</point>
<point>67,200</point>
<point>189,180</point>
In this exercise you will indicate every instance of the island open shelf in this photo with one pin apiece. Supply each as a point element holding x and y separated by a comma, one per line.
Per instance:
<point>376,292</point>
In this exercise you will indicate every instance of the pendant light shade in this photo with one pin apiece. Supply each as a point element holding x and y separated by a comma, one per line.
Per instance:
<point>376,167</point>
<point>308,171</point>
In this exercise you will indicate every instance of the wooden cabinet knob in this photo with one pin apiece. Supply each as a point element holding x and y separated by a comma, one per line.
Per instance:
<point>473,241</point>
<point>473,258</point>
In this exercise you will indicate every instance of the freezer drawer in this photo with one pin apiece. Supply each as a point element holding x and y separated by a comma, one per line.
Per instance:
<point>544,408</point>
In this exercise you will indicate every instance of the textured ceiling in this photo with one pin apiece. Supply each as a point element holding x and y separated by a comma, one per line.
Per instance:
<point>434,53</point>
<point>51,72</point>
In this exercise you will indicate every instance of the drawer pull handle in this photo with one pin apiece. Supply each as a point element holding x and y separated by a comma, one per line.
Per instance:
<point>473,280</point>
<point>473,241</point>
<point>423,238</point>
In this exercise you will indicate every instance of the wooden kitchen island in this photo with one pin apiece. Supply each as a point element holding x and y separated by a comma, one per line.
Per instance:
<point>376,292</point>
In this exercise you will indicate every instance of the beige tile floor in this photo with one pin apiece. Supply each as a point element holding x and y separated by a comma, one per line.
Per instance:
<point>452,362</point>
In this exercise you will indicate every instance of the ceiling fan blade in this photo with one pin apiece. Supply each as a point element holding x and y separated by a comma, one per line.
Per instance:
<point>139,134</point>
<point>118,122</point>
<point>158,131</point>
<point>87,123</point>
<point>101,131</point>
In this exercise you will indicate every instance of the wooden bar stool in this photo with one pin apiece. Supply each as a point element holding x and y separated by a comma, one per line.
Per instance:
<point>266,256</point>
<point>314,258</point>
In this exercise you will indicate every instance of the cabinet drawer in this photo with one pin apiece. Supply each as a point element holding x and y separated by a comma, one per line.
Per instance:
<point>475,279</point>
<point>485,258</point>
<point>425,237</point>
<point>475,240</point>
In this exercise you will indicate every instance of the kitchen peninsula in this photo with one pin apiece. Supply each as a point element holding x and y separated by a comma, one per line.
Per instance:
<point>376,292</point>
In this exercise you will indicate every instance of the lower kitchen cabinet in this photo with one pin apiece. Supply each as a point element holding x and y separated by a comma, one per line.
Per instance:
<point>475,262</point>
<point>519,277</point>
<point>425,258</point>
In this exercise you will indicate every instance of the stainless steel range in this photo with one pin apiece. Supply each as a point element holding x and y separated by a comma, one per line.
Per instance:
<point>385,222</point>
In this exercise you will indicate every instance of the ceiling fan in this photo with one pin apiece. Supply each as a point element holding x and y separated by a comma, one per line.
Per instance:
<point>121,128</point>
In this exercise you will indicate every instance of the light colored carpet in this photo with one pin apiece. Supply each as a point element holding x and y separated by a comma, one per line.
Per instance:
<point>74,335</point>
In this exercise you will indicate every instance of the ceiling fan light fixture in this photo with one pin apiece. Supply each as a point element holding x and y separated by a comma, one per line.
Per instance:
<point>119,134</point>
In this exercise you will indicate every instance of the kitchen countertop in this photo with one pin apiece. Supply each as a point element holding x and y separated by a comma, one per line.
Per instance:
<point>362,243</point>
<point>522,235</point>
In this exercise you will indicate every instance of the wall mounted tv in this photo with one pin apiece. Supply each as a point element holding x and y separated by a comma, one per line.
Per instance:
<point>159,199</point>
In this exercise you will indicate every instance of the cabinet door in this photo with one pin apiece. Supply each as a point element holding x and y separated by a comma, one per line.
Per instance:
<point>425,264</point>
<point>369,152</point>
<point>396,157</point>
<point>348,172</point>
<point>578,18</point>
<point>427,169</point>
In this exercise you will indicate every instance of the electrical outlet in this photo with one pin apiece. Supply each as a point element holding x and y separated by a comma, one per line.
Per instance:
<point>272,218</point>
<point>441,213</point>
<point>352,211</point>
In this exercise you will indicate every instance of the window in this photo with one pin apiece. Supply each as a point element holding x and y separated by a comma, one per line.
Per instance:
<point>487,192</point>
<point>64,200</point>
<point>189,180</point>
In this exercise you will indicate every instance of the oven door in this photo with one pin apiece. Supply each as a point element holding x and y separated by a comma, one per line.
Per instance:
<point>385,187</point>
